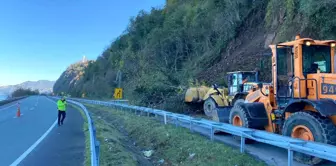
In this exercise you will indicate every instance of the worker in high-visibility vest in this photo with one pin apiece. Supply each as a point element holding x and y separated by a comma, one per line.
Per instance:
<point>61,106</point>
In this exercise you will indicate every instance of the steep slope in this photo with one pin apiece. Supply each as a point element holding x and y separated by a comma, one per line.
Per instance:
<point>198,41</point>
<point>247,51</point>
<point>277,22</point>
<point>68,80</point>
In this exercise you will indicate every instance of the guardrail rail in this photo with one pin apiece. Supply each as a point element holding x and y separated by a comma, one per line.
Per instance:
<point>321,150</point>
<point>94,142</point>
<point>6,101</point>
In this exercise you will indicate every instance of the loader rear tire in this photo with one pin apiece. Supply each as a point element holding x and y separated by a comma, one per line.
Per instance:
<point>310,126</point>
<point>240,117</point>
<point>209,106</point>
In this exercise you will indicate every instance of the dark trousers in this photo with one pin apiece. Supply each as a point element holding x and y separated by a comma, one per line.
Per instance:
<point>61,117</point>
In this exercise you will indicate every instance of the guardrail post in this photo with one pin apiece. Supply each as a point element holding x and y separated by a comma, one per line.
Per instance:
<point>212,133</point>
<point>290,157</point>
<point>190,125</point>
<point>165,118</point>
<point>93,128</point>
<point>97,151</point>
<point>176,120</point>
<point>242,144</point>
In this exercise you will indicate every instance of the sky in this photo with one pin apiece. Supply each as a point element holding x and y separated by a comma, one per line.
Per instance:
<point>39,39</point>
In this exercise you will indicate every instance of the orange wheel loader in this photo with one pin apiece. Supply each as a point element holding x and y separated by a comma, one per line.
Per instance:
<point>300,101</point>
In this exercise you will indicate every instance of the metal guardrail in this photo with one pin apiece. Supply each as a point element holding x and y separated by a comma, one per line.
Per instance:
<point>324,151</point>
<point>6,101</point>
<point>94,143</point>
<point>112,101</point>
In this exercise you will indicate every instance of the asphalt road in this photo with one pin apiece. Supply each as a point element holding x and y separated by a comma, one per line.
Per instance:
<point>271,155</point>
<point>33,139</point>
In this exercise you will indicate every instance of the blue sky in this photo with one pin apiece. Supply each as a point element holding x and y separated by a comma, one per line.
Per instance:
<point>40,38</point>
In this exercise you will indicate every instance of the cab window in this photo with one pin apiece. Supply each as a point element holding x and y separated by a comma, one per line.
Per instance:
<point>316,57</point>
<point>234,83</point>
<point>251,77</point>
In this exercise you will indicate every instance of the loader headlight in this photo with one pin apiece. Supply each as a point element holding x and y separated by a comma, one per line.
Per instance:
<point>308,43</point>
<point>333,44</point>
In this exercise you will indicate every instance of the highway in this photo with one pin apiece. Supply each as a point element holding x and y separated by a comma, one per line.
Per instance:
<point>34,138</point>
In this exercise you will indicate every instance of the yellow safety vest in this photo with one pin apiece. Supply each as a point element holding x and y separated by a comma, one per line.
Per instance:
<point>61,105</point>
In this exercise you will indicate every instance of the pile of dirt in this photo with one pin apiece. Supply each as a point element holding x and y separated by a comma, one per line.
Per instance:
<point>248,51</point>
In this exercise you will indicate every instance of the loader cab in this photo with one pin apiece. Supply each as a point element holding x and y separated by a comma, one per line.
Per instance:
<point>236,79</point>
<point>283,73</point>
<point>301,67</point>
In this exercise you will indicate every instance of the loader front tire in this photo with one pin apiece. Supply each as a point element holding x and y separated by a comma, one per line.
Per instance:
<point>209,106</point>
<point>309,126</point>
<point>240,117</point>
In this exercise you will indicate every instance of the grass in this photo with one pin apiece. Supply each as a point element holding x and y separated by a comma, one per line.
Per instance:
<point>171,145</point>
<point>87,160</point>
<point>112,150</point>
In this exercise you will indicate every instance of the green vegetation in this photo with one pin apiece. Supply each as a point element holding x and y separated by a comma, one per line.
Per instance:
<point>24,92</point>
<point>112,150</point>
<point>310,17</point>
<point>69,78</point>
<point>119,131</point>
<point>192,42</point>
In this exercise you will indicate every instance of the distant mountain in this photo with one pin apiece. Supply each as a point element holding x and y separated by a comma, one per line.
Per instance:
<point>43,86</point>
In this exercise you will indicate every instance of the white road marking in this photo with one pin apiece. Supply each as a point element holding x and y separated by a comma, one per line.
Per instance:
<point>20,101</point>
<point>8,107</point>
<point>31,148</point>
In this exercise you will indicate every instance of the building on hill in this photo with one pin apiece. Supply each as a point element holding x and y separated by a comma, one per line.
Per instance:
<point>84,59</point>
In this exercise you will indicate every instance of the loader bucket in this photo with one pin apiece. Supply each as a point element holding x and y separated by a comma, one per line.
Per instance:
<point>221,114</point>
<point>195,94</point>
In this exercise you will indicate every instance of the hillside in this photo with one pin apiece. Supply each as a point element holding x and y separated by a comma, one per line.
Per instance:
<point>198,41</point>
<point>69,79</point>
<point>43,86</point>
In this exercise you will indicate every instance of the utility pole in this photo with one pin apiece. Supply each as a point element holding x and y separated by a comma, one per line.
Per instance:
<point>118,79</point>
<point>118,90</point>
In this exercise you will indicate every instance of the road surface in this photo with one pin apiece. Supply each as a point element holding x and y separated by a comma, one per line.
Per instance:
<point>34,139</point>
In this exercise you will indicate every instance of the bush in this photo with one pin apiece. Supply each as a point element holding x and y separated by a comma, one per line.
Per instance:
<point>24,92</point>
